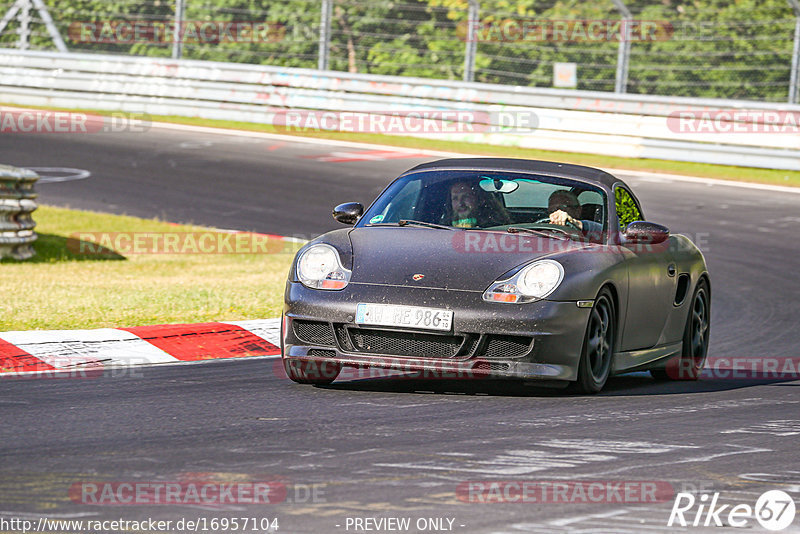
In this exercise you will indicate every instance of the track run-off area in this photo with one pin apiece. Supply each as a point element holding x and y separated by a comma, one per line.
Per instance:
<point>395,449</point>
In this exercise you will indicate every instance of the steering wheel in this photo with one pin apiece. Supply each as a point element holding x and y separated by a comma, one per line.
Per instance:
<point>569,223</point>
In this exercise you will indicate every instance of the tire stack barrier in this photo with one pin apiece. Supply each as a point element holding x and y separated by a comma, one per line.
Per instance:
<point>17,203</point>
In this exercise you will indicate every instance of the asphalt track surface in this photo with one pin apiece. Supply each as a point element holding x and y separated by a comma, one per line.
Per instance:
<point>380,448</point>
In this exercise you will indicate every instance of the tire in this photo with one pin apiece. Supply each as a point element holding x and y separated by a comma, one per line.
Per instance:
<point>695,340</point>
<point>597,354</point>
<point>311,372</point>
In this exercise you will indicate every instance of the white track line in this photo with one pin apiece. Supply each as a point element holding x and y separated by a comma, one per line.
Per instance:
<point>443,154</point>
<point>267,329</point>
<point>69,348</point>
<point>74,349</point>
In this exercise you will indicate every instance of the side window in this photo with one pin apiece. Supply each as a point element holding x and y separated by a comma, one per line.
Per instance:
<point>627,210</point>
<point>592,206</point>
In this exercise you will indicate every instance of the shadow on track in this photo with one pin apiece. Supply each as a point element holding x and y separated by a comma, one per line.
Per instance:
<point>639,384</point>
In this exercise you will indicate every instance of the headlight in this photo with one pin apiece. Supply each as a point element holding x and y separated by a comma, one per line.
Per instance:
<point>319,267</point>
<point>532,282</point>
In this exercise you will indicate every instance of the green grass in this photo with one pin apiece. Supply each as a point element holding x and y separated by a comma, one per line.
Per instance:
<point>722,172</point>
<point>63,288</point>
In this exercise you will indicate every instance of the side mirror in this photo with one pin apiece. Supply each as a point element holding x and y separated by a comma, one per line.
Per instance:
<point>348,213</point>
<point>646,233</point>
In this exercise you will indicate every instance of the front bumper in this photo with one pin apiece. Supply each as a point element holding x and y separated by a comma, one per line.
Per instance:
<point>488,340</point>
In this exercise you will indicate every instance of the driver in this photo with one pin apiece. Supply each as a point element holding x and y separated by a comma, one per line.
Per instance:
<point>463,203</point>
<point>565,208</point>
<point>471,207</point>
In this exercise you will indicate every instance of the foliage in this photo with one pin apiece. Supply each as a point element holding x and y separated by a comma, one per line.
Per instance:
<point>715,48</point>
<point>627,211</point>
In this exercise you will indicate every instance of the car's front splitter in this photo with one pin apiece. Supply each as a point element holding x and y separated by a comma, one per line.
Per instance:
<point>425,368</point>
<point>557,330</point>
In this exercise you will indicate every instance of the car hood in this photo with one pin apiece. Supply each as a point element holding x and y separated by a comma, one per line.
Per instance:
<point>446,259</point>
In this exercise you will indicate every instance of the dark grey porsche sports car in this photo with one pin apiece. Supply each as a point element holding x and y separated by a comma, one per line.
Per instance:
<point>498,268</point>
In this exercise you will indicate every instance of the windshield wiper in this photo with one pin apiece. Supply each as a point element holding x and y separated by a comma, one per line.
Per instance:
<point>410,222</point>
<point>541,233</point>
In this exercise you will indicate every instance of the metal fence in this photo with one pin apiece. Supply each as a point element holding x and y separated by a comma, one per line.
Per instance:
<point>695,48</point>
<point>293,99</point>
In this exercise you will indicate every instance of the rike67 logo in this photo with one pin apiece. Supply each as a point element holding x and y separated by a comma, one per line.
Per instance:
<point>774,510</point>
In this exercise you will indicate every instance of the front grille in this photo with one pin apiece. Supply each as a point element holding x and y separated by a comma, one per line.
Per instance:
<point>501,347</point>
<point>343,338</point>
<point>322,353</point>
<point>410,344</point>
<point>491,366</point>
<point>471,344</point>
<point>427,345</point>
<point>314,332</point>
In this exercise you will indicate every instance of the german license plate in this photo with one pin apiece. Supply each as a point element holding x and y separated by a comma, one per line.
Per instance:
<point>406,316</point>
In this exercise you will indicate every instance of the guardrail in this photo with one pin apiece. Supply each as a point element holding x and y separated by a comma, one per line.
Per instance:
<point>634,126</point>
<point>16,206</point>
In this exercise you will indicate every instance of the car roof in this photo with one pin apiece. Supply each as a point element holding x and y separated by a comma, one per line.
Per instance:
<point>548,168</point>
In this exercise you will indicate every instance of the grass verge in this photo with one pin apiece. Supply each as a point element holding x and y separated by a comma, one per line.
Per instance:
<point>62,288</point>
<point>721,172</point>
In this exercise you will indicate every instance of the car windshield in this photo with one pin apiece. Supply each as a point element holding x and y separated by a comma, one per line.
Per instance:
<point>482,200</point>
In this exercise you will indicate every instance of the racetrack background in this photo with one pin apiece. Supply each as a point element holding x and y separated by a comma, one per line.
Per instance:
<point>398,448</point>
<point>407,448</point>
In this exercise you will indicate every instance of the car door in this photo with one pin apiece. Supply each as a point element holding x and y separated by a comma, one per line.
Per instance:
<point>651,280</point>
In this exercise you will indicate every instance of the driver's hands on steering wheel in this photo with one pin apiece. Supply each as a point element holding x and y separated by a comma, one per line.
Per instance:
<point>562,218</point>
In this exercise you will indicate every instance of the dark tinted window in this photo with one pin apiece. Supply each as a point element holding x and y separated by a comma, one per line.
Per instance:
<point>484,200</point>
